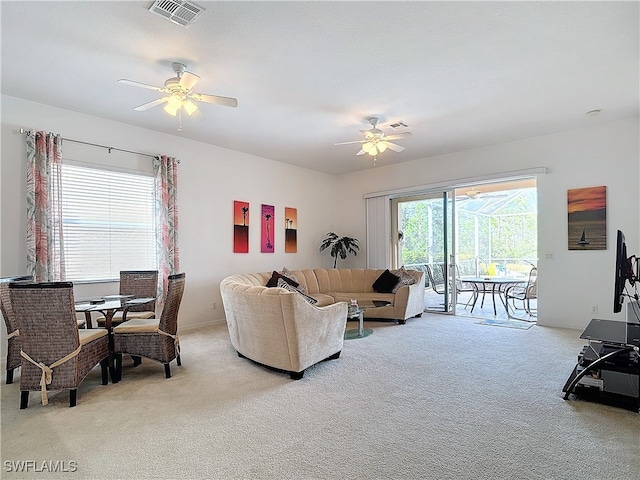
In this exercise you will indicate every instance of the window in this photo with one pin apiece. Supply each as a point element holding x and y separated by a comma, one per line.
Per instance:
<point>107,221</point>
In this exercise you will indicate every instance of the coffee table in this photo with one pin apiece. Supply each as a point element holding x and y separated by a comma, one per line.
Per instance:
<point>358,313</point>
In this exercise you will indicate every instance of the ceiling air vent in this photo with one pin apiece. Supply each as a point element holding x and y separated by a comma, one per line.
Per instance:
<point>397,125</point>
<point>177,11</point>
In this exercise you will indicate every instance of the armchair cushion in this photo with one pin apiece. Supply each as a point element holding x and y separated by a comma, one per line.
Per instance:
<point>90,334</point>
<point>138,325</point>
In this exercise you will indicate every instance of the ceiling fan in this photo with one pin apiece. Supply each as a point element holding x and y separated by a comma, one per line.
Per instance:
<point>375,141</point>
<point>179,93</point>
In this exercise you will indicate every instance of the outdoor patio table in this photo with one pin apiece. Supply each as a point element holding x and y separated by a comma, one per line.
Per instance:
<point>492,284</point>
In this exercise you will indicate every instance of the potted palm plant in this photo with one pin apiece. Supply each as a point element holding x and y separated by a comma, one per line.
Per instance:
<point>340,246</point>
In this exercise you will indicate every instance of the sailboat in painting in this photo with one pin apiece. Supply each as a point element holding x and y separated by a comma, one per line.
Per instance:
<point>583,238</point>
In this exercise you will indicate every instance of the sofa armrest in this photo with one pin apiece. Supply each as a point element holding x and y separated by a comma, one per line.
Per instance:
<point>409,300</point>
<point>313,333</point>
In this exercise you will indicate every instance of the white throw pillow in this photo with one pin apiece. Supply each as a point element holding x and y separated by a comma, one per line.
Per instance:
<point>291,288</point>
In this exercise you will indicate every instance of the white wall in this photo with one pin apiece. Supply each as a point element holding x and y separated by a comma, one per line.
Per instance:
<point>574,281</point>
<point>210,179</point>
<point>570,284</point>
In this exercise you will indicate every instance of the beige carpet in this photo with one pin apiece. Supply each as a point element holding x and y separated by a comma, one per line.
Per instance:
<point>439,397</point>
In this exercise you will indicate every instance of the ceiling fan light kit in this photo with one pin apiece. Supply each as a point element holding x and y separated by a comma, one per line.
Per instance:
<point>180,94</point>
<point>375,141</point>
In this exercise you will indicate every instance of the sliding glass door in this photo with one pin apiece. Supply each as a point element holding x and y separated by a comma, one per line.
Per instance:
<point>479,230</point>
<point>422,239</point>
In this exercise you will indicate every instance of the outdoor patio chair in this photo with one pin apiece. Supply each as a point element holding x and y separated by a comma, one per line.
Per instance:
<point>153,338</point>
<point>524,293</point>
<point>56,355</point>
<point>466,287</point>
<point>431,274</point>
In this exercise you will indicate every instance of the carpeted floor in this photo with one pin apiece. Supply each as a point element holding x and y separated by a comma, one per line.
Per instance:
<point>440,397</point>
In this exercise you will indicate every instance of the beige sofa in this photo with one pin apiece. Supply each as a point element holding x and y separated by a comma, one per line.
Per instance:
<point>344,284</point>
<point>278,328</point>
<point>281,329</point>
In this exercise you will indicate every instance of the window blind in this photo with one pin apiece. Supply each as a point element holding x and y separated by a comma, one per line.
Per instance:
<point>378,214</point>
<point>108,223</point>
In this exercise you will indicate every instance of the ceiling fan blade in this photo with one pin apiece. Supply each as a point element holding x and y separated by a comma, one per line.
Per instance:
<point>350,143</point>
<point>226,101</point>
<point>143,85</point>
<point>394,147</point>
<point>396,136</point>
<point>361,152</point>
<point>148,105</point>
<point>188,80</point>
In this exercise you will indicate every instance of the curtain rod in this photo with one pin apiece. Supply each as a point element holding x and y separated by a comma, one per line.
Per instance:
<point>155,157</point>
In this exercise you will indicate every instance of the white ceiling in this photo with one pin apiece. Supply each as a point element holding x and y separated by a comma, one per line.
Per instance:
<point>309,74</point>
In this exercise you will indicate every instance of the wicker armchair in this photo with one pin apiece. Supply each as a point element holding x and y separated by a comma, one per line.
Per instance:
<point>140,284</point>
<point>152,338</point>
<point>13,335</point>
<point>56,355</point>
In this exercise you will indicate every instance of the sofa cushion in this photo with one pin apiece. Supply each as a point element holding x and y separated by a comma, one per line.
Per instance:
<point>283,284</point>
<point>323,299</point>
<point>362,297</point>
<point>405,278</point>
<point>289,274</point>
<point>275,276</point>
<point>385,282</point>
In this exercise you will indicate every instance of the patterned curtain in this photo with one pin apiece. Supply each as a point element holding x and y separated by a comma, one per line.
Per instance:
<point>45,253</point>
<point>166,213</point>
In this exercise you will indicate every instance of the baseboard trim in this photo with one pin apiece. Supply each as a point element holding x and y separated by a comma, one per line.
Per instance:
<point>196,326</point>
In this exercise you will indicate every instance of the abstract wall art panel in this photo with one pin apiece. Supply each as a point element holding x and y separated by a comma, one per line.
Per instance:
<point>240,227</point>
<point>267,243</point>
<point>290,230</point>
<point>587,210</point>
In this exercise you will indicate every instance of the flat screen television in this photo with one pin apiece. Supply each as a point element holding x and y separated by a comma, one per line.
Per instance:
<point>621,273</point>
<point>624,273</point>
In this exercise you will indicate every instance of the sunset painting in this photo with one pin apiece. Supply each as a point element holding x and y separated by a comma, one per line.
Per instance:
<point>587,209</point>
<point>240,227</point>
<point>267,232</point>
<point>290,230</point>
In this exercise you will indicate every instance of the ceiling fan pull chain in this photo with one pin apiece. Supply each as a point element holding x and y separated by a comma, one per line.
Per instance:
<point>179,120</point>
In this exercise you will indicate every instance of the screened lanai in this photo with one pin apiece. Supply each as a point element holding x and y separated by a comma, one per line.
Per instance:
<point>495,235</point>
<point>497,232</point>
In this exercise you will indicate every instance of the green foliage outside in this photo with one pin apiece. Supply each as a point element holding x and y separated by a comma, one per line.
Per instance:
<point>506,232</point>
<point>421,244</point>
